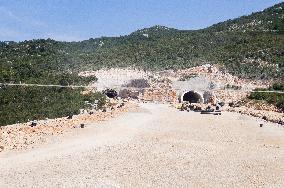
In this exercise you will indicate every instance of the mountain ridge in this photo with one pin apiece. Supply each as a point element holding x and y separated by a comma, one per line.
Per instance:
<point>239,46</point>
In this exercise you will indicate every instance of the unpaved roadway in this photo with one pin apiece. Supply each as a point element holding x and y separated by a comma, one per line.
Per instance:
<point>155,146</point>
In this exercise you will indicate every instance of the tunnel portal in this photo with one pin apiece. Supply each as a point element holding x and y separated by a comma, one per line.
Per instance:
<point>192,97</point>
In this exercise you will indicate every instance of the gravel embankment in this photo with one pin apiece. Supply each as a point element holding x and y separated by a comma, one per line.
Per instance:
<point>23,135</point>
<point>155,146</point>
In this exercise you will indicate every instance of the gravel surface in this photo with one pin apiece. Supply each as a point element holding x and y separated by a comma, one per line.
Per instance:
<point>155,146</point>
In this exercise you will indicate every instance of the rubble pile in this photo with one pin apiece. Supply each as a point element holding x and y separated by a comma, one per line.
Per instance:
<point>160,95</point>
<point>214,109</point>
<point>191,107</point>
<point>21,136</point>
<point>161,82</point>
<point>258,109</point>
<point>261,106</point>
<point>272,116</point>
<point>228,96</point>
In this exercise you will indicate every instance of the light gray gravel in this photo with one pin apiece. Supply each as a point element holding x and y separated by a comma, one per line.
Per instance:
<point>155,146</point>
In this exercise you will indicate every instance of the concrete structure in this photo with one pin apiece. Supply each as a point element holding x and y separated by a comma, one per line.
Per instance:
<point>192,97</point>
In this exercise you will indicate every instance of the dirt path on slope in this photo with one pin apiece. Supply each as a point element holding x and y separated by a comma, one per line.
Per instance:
<point>155,146</point>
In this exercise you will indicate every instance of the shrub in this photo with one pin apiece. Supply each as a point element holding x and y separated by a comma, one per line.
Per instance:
<point>278,86</point>
<point>98,98</point>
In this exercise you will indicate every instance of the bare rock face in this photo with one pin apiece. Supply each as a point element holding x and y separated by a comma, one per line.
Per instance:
<point>114,78</point>
<point>231,95</point>
<point>129,93</point>
<point>160,95</point>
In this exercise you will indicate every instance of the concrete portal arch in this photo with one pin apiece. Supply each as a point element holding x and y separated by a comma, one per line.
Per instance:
<point>192,97</point>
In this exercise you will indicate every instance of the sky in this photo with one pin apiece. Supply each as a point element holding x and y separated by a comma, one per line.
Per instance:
<point>75,20</point>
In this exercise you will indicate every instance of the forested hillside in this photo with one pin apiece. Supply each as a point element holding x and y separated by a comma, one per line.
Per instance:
<point>250,46</point>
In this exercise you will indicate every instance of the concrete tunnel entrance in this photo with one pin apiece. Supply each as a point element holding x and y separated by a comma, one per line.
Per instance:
<point>192,97</point>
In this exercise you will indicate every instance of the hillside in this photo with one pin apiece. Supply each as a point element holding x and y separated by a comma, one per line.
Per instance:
<point>249,46</point>
<point>268,20</point>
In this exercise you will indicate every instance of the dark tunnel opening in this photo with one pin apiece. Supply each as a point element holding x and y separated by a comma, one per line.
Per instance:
<point>192,97</point>
<point>110,93</point>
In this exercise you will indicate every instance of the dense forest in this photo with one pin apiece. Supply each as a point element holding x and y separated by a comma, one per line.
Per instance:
<point>250,46</point>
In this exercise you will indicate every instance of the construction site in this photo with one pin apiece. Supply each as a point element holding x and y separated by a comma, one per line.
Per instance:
<point>182,120</point>
<point>185,125</point>
<point>159,131</point>
<point>202,89</point>
<point>142,94</point>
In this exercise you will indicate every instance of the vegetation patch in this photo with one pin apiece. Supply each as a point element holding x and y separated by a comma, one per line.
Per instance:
<point>276,99</point>
<point>278,87</point>
<point>20,104</point>
<point>187,77</point>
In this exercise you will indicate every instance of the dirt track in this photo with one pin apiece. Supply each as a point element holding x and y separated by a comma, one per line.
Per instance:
<point>155,146</point>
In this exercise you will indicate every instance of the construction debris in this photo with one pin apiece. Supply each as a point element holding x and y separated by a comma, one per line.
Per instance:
<point>272,116</point>
<point>202,108</point>
<point>33,124</point>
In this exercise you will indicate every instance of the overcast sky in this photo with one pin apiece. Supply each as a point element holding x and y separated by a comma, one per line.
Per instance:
<point>73,20</point>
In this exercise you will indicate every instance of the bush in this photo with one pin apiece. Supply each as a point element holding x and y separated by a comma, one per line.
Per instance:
<point>278,86</point>
<point>98,98</point>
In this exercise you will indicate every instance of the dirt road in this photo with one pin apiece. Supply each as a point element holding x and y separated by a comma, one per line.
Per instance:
<point>155,146</point>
